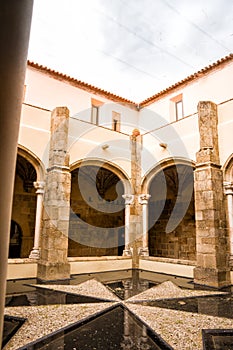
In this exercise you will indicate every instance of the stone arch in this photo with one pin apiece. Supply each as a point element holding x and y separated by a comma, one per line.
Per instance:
<point>228,169</point>
<point>34,160</point>
<point>29,169</point>
<point>172,232</point>
<point>115,168</point>
<point>163,164</point>
<point>100,215</point>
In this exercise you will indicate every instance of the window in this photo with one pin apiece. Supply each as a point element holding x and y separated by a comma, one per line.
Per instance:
<point>179,110</point>
<point>177,107</point>
<point>116,121</point>
<point>95,115</point>
<point>95,109</point>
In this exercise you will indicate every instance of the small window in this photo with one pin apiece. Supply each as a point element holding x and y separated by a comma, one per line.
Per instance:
<point>116,121</point>
<point>95,110</point>
<point>177,107</point>
<point>179,110</point>
<point>95,115</point>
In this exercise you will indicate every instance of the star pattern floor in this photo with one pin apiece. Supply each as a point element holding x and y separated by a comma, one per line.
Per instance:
<point>182,330</point>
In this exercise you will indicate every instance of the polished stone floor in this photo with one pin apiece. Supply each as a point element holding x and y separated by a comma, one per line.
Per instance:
<point>144,311</point>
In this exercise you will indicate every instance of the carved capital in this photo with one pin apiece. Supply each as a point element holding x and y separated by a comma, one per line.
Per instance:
<point>39,186</point>
<point>228,188</point>
<point>143,198</point>
<point>129,198</point>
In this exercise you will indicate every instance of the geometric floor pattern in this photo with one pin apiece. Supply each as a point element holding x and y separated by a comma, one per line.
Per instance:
<point>182,330</point>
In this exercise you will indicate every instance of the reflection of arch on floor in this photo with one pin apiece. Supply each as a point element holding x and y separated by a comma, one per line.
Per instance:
<point>28,170</point>
<point>97,210</point>
<point>172,233</point>
<point>15,240</point>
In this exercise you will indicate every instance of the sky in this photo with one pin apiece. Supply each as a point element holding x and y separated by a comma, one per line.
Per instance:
<point>132,48</point>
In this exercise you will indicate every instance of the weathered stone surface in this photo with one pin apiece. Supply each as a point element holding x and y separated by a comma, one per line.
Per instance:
<point>54,238</point>
<point>212,246</point>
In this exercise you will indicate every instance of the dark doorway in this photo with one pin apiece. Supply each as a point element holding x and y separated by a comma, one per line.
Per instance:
<point>15,240</point>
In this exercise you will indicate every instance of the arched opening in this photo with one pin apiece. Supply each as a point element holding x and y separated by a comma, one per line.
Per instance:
<point>97,212</point>
<point>15,240</point>
<point>172,231</point>
<point>24,206</point>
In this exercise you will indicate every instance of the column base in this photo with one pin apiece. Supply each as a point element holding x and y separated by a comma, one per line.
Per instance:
<point>143,252</point>
<point>127,252</point>
<point>35,254</point>
<point>53,271</point>
<point>212,277</point>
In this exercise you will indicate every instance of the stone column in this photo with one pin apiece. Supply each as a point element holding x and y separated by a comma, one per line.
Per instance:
<point>15,22</point>
<point>143,200</point>
<point>129,198</point>
<point>212,243</point>
<point>136,209</point>
<point>228,189</point>
<point>39,186</point>
<point>53,264</point>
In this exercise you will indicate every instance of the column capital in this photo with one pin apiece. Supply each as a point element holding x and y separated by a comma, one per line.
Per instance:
<point>143,198</point>
<point>129,198</point>
<point>39,186</point>
<point>228,188</point>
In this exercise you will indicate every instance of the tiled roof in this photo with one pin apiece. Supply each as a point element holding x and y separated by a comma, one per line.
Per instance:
<point>188,79</point>
<point>93,89</point>
<point>80,84</point>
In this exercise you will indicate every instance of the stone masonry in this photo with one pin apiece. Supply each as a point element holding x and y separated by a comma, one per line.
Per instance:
<point>136,208</point>
<point>211,234</point>
<point>53,264</point>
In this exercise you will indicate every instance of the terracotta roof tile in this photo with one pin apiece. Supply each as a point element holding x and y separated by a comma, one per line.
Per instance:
<point>93,89</point>
<point>82,85</point>
<point>186,80</point>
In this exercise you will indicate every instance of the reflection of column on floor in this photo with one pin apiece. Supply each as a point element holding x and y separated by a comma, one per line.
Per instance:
<point>48,297</point>
<point>142,344</point>
<point>127,284</point>
<point>212,307</point>
<point>143,200</point>
<point>39,186</point>
<point>228,189</point>
<point>129,198</point>
<point>32,298</point>
<point>127,343</point>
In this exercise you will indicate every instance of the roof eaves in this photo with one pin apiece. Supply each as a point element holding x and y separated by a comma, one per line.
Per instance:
<point>188,79</point>
<point>82,85</point>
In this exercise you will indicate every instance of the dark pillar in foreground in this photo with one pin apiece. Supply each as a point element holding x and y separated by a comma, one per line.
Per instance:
<point>15,22</point>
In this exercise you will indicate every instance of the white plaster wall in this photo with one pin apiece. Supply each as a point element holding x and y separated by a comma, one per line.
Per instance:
<point>86,141</point>
<point>216,86</point>
<point>34,133</point>
<point>167,268</point>
<point>99,265</point>
<point>47,92</point>
<point>181,137</point>
<point>225,131</point>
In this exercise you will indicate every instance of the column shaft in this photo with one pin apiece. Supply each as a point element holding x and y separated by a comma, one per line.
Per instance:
<point>229,194</point>
<point>212,242</point>
<point>128,201</point>
<point>35,253</point>
<point>15,21</point>
<point>53,264</point>
<point>143,200</point>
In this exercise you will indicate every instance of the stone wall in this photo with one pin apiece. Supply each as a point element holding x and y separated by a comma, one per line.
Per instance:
<point>23,213</point>
<point>90,228</point>
<point>178,244</point>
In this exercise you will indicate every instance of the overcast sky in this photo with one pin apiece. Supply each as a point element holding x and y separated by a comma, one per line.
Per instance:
<point>133,48</point>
